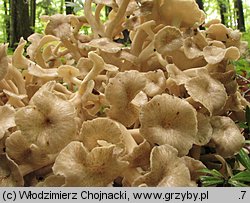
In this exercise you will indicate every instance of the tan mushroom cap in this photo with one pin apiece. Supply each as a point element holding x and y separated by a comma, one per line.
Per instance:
<point>205,130</point>
<point>168,39</point>
<point>183,13</point>
<point>208,91</point>
<point>193,166</point>
<point>139,156</point>
<point>101,129</point>
<point>3,61</point>
<point>191,50</point>
<point>155,83</point>
<point>7,119</point>
<point>175,74</point>
<point>106,45</point>
<point>80,167</point>
<point>22,151</point>
<point>58,25</point>
<point>211,22</point>
<point>34,39</point>
<point>10,175</point>
<point>38,71</point>
<point>213,54</point>
<point>167,119</point>
<point>166,169</point>
<point>217,32</point>
<point>226,136</point>
<point>18,60</point>
<point>67,72</point>
<point>120,92</point>
<point>49,121</point>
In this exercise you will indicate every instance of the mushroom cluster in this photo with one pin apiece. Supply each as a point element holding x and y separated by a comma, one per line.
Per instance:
<point>85,110</point>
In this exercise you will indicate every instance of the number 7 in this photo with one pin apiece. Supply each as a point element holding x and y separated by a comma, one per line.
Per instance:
<point>243,194</point>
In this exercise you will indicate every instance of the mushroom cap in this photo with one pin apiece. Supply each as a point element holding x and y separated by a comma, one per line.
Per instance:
<point>18,60</point>
<point>101,129</point>
<point>168,39</point>
<point>191,50</point>
<point>155,83</point>
<point>139,156</point>
<point>49,122</point>
<point>38,71</point>
<point>34,39</point>
<point>166,169</point>
<point>185,13</point>
<point>226,136</point>
<point>22,151</point>
<point>10,175</point>
<point>120,92</point>
<point>193,166</point>
<point>80,167</point>
<point>211,22</point>
<point>175,74</point>
<point>7,119</point>
<point>58,25</point>
<point>213,54</point>
<point>167,119</point>
<point>67,71</point>
<point>208,91</point>
<point>205,130</point>
<point>3,61</point>
<point>217,32</point>
<point>106,45</point>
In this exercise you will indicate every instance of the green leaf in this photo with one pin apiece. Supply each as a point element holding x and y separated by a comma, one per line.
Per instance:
<point>243,125</point>
<point>244,159</point>
<point>243,176</point>
<point>247,141</point>
<point>237,183</point>
<point>210,181</point>
<point>212,172</point>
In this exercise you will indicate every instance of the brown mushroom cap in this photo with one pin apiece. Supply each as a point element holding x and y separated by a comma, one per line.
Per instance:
<point>226,136</point>
<point>167,119</point>
<point>191,50</point>
<point>168,39</point>
<point>10,175</point>
<point>120,92</point>
<point>213,54</point>
<point>205,130</point>
<point>166,169</point>
<point>7,119</point>
<point>155,83</point>
<point>58,25</point>
<point>106,45</point>
<point>49,121</point>
<point>22,151</point>
<point>83,168</point>
<point>101,129</point>
<point>208,91</point>
<point>183,13</point>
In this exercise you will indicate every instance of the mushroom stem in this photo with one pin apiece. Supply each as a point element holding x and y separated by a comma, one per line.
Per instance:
<point>137,42</point>
<point>98,10</point>
<point>135,133</point>
<point>27,168</point>
<point>5,85</point>
<point>97,67</point>
<point>130,175</point>
<point>95,25</point>
<point>115,21</point>
<point>73,49</point>
<point>195,152</point>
